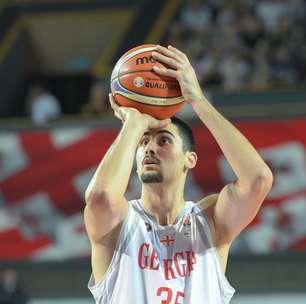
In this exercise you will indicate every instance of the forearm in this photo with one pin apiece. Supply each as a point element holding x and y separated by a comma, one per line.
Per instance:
<point>243,158</point>
<point>113,173</point>
<point>241,155</point>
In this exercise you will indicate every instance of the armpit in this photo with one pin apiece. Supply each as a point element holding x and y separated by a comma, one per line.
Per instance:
<point>110,239</point>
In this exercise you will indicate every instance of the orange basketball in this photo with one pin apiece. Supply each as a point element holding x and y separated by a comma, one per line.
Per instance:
<point>135,84</point>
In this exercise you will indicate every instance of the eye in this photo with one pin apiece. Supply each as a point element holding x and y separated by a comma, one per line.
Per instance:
<point>144,141</point>
<point>164,140</point>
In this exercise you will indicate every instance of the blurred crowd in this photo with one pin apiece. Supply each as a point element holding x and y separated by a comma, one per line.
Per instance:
<point>243,43</point>
<point>42,106</point>
<point>233,45</point>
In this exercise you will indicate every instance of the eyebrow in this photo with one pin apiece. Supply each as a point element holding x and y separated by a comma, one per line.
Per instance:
<point>161,131</point>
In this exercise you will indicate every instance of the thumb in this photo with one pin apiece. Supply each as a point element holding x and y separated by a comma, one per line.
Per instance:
<point>163,123</point>
<point>166,121</point>
<point>122,113</point>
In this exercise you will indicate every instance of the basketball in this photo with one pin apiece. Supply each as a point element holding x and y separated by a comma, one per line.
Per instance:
<point>135,84</point>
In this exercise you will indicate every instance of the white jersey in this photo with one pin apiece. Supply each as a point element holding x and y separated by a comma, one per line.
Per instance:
<point>155,264</point>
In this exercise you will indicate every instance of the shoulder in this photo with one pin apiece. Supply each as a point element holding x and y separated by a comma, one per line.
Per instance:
<point>207,205</point>
<point>208,202</point>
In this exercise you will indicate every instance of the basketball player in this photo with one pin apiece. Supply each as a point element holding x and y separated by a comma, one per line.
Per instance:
<point>161,249</point>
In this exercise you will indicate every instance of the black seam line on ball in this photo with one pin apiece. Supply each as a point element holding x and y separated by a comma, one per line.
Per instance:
<point>140,71</point>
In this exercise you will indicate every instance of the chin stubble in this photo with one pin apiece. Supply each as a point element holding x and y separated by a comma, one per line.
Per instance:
<point>151,177</point>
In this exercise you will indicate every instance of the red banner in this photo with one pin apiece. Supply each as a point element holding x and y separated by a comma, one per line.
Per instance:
<point>43,177</point>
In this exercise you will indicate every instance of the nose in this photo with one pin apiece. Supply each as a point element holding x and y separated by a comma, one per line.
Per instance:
<point>150,148</point>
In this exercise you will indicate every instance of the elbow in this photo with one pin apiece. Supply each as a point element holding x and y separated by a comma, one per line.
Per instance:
<point>93,197</point>
<point>263,180</point>
<point>266,176</point>
<point>96,193</point>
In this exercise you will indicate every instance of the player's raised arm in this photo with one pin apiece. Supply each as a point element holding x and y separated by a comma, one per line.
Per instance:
<point>237,203</point>
<point>105,202</point>
<point>106,207</point>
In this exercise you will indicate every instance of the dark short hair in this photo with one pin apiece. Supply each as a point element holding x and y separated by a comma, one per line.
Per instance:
<point>186,134</point>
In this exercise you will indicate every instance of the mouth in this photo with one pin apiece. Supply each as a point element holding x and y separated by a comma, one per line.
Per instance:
<point>150,166</point>
<point>149,161</point>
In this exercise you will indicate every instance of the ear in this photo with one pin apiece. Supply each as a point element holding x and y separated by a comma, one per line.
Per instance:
<point>191,160</point>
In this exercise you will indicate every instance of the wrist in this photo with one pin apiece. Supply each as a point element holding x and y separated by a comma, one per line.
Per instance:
<point>137,123</point>
<point>199,101</point>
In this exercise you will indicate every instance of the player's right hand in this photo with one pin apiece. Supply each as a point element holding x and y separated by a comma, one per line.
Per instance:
<point>127,113</point>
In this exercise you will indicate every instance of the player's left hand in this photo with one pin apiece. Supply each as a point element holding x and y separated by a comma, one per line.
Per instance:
<point>181,69</point>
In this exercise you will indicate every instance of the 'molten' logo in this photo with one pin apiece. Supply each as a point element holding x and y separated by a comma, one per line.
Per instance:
<point>180,266</point>
<point>145,59</point>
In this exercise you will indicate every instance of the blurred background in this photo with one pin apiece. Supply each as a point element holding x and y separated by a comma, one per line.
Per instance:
<point>56,57</point>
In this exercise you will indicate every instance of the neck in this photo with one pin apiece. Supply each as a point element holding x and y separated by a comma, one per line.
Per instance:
<point>162,201</point>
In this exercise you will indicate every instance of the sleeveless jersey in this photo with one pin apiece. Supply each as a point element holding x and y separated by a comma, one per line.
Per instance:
<point>154,264</point>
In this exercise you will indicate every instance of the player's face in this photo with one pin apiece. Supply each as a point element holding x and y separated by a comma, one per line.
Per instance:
<point>160,155</point>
